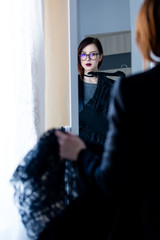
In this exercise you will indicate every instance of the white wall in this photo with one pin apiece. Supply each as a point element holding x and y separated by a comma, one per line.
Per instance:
<point>102,16</point>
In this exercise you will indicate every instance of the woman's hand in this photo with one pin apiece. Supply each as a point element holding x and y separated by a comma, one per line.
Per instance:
<point>69,145</point>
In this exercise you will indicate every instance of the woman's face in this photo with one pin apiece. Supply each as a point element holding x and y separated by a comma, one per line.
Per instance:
<point>90,62</point>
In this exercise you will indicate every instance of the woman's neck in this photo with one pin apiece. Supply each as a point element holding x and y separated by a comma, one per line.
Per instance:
<point>90,79</point>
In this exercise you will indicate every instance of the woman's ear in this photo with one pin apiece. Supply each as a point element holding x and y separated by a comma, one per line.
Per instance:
<point>101,57</point>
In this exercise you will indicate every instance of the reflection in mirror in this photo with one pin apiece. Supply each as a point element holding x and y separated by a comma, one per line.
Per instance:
<point>94,92</point>
<point>109,23</point>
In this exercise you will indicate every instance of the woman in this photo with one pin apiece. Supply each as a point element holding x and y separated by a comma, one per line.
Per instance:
<point>128,172</point>
<point>94,95</point>
<point>94,92</point>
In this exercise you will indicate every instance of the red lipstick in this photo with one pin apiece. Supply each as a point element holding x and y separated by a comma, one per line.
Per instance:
<point>88,64</point>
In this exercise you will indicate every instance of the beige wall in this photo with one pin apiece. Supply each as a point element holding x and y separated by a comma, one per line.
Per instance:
<point>57,63</point>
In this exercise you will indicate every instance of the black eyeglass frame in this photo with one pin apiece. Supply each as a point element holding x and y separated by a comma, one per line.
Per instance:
<point>88,55</point>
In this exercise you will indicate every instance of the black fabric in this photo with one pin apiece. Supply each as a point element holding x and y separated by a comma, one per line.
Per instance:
<point>44,184</point>
<point>112,74</point>
<point>85,218</point>
<point>93,125</point>
<point>93,122</point>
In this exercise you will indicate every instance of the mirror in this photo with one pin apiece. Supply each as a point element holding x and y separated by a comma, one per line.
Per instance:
<point>109,21</point>
<point>102,18</point>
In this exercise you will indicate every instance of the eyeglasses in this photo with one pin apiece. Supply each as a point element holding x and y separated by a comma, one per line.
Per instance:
<point>92,56</point>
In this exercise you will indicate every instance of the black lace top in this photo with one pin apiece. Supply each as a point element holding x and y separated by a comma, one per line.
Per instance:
<point>44,184</point>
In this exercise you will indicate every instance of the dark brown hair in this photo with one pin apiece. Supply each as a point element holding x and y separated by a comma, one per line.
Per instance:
<point>148,29</point>
<point>82,45</point>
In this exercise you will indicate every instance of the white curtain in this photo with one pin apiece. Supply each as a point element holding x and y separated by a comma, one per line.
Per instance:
<point>22,86</point>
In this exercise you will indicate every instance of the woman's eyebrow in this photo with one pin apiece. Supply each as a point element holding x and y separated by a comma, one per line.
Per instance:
<point>89,52</point>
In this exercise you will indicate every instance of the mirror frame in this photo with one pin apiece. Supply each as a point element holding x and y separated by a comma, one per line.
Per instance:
<point>73,44</point>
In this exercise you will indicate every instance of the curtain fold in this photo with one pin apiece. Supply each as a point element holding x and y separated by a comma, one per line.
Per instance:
<point>22,95</point>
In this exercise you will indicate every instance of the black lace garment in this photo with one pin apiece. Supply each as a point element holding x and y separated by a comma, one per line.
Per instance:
<point>44,184</point>
<point>93,115</point>
<point>93,121</point>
